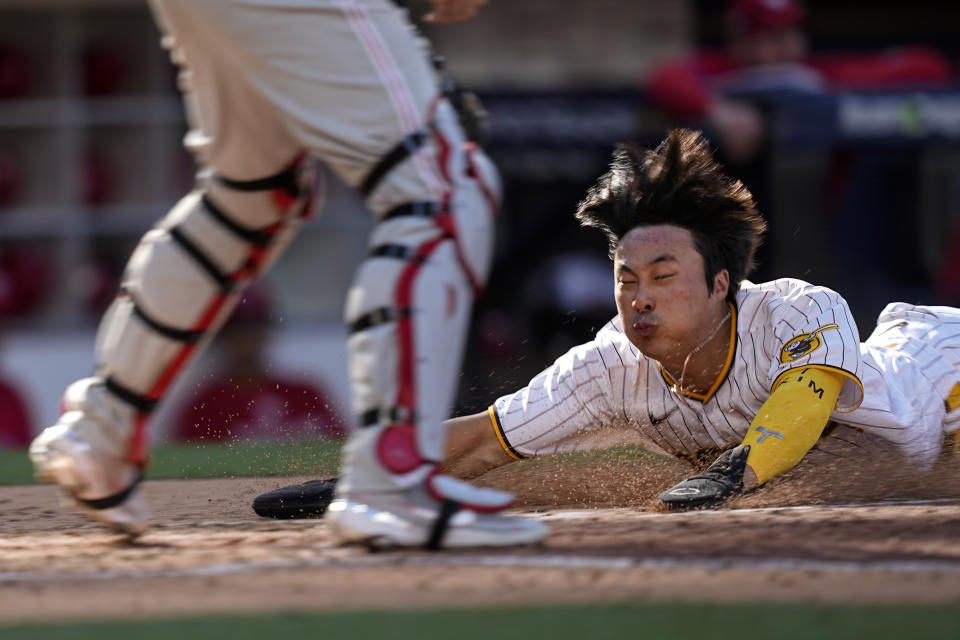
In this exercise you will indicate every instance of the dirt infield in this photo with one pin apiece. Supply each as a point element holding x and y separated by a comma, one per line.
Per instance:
<point>209,553</point>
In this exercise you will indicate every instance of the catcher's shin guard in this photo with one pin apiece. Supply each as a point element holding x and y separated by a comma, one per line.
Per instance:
<point>409,307</point>
<point>185,277</point>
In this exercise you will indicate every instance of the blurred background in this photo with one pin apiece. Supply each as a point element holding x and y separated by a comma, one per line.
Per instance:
<point>842,117</point>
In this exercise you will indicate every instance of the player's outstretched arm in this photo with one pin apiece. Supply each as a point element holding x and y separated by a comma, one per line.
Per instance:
<point>473,447</point>
<point>788,424</point>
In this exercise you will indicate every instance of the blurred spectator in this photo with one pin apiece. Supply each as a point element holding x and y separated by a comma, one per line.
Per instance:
<point>870,196</point>
<point>767,53</point>
<point>246,400</point>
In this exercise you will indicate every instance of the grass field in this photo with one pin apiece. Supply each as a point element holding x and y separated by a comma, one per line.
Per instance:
<point>653,621</point>
<point>257,459</point>
<point>212,460</point>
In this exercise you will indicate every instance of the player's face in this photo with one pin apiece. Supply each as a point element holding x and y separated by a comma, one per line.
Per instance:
<point>662,294</point>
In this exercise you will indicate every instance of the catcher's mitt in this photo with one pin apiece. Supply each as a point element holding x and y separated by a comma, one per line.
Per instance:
<point>307,500</point>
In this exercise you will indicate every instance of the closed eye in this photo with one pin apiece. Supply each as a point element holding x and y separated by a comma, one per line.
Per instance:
<point>665,276</point>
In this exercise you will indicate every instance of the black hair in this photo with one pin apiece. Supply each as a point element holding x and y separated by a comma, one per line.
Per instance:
<point>678,183</point>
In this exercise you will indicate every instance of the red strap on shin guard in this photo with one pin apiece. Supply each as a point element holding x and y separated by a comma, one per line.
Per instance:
<point>397,449</point>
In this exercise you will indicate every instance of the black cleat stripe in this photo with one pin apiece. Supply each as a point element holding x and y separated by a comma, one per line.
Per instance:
<point>447,510</point>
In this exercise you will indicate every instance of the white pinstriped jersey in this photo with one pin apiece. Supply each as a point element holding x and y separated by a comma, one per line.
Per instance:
<point>902,383</point>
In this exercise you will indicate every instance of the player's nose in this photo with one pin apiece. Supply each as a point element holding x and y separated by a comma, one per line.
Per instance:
<point>643,301</point>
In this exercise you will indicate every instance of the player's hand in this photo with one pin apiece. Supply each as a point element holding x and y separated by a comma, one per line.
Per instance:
<point>719,481</point>
<point>447,11</point>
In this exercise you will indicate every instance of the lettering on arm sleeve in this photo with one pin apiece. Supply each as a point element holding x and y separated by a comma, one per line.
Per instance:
<point>791,420</point>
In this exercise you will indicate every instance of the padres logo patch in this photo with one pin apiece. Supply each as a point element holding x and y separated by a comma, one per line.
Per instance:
<point>804,344</point>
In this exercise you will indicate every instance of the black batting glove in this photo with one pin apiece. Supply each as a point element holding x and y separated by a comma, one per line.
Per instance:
<point>716,483</point>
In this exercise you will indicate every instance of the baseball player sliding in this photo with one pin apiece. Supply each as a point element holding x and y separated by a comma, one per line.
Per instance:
<point>699,359</point>
<point>269,85</point>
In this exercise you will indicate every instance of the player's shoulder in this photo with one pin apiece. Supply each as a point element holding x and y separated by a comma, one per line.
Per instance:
<point>792,291</point>
<point>788,302</point>
<point>612,333</point>
<point>592,362</point>
<point>611,339</point>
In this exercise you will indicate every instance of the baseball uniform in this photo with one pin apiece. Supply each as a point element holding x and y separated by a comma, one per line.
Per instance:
<point>902,384</point>
<point>270,86</point>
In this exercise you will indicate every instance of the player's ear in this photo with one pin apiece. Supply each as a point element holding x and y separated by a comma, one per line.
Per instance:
<point>721,283</point>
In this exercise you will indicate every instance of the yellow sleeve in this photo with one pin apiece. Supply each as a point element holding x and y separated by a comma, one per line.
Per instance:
<point>791,420</point>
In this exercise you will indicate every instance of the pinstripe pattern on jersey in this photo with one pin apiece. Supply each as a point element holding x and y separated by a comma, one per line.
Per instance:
<point>498,430</point>
<point>897,391</point>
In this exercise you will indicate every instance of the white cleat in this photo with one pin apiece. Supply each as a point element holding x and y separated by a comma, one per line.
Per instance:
<point>413,518</point>
<point>102,486</point>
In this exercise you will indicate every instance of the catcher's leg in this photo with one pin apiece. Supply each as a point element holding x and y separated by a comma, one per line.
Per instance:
<point>407,314</point>
<point>180,284</point>
<point>350,82</point>
<point>186,274</point>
